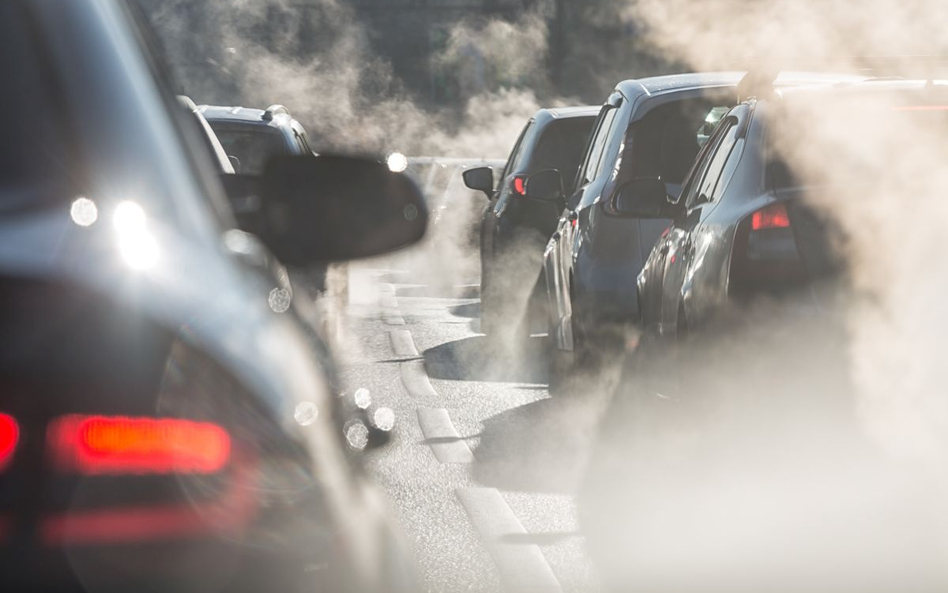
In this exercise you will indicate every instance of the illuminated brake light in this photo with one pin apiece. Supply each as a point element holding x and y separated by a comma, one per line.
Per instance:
<point>9,435</point>
<point>772,217</point>
<point>520,185</point>
<point>122,445</point>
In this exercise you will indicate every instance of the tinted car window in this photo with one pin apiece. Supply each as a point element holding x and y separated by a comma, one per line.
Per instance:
<point>695,176</point>
<point>593,164</point>
<point>716,164</point>
<point>666,141</point>
<point>722,143</point>
<point>561,147</point>
<point>252,145</point>
<point>513,162</point>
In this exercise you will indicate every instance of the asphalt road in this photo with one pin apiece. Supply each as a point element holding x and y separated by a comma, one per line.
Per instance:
<point>484,467</point>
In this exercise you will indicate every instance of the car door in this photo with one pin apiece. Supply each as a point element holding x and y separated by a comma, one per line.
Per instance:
<point>495,205</point>
<point>681,244</point>
<point>560,249</point>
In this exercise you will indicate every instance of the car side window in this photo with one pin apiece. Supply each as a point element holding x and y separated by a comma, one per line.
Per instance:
<point>696,174</point>
<point>716,164</point>
<point>730,165</point>
<point>698,183</point>
<point>516,153</point>
<point>593,165</point>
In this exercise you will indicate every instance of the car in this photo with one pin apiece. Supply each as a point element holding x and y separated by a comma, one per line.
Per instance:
<point>516,225</point>
<point>751,410</point>
<point>165,423</point>
<point>648,128</point>
<point>251,136</point>
<point>740,229</point>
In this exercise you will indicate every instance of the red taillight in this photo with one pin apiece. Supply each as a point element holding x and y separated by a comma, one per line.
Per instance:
<point>9,435</point>
<point>520,185</point>
<point>772,217</point>
<point>121,445</point>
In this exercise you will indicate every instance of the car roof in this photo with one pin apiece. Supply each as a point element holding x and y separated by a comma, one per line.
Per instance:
<point>574,111</point>
<point>656,85</point>
<point>544,117</point>
<point>243,115</point>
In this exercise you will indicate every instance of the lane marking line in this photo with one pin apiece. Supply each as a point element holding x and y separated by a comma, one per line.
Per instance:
<point>416,379</point>
<point>522,567</point>
<point>443,437</point>
<point>393,318</point>
<point>402,343</point>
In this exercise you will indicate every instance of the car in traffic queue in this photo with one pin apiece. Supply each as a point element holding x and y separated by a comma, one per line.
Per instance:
<point>649,127</point>
<point>250,138</point>
<point>741,229</point>
<point>166,424</point>
<point>516,225</point>
<point>745,374</point>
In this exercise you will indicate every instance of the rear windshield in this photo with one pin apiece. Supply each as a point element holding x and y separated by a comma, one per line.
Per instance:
<point>562,146</point>
<point>252,145</point>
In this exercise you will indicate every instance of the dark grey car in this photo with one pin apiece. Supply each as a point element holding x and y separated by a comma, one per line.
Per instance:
<point>165,421</point>
<point>516,224</point>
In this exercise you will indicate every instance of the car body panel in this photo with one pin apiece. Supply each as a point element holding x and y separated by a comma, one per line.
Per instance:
<point>515,229</point>
<point>596,260</point>
<point>177,265</point>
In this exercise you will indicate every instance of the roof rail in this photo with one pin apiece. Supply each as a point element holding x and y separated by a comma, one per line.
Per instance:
<point>274,110</point>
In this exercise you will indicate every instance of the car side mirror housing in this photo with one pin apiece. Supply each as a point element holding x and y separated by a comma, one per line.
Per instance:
<point>643,197</point>
<point>310,209</point>
<point>480,179</point>
<point>546,186</point>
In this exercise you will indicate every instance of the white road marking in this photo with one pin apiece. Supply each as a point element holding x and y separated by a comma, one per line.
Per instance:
<point>416,379</point>
<point>393,319</point>
<point>402,343</point>
<point>522,567</point>
<point>443,438</point>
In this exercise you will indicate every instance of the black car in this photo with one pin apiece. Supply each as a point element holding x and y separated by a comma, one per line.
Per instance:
<point>516,224</point>
<point>166,423</point>
<point>251,136</point>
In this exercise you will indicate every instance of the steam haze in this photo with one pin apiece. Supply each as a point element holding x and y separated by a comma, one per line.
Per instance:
<point>810,454</point>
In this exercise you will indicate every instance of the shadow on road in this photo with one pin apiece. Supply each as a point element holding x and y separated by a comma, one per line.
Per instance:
<point>479,359</point>
<point>465,291</point>
<point>470,311</point>
<point>539,447</point>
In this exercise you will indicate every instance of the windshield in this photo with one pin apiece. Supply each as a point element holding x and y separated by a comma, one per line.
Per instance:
<point>251,145</point>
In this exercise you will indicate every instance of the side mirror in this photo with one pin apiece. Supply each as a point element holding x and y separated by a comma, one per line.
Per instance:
<point>480,179</point>
<point>546,186</point>
<point>310,209</point>
<point>643,197</point>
